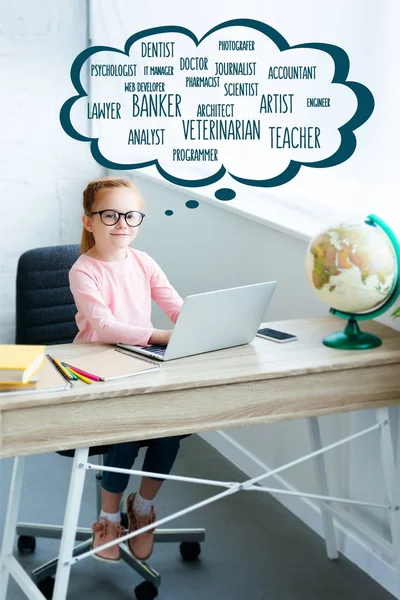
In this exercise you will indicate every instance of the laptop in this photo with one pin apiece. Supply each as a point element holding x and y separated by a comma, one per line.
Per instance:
<point>214,320</point>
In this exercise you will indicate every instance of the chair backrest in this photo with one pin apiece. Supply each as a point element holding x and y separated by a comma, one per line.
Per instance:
<point>45,308</point>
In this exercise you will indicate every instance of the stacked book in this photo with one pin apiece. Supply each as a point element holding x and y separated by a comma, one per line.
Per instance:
<point>19,366</point>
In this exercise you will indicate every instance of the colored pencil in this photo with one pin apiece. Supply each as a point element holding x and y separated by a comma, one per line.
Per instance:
<point>63,369</point>
<point>71,373</point>
<point>58,368</point>
<point>81,377</point>
<point>84,373</point>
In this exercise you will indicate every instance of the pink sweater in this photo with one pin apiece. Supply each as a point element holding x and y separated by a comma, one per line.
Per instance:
<point>114,298</point>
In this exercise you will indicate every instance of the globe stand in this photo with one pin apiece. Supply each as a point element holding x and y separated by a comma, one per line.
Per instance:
<point>352,338</point>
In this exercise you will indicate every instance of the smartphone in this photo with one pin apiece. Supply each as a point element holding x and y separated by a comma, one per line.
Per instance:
<point>275,335</point>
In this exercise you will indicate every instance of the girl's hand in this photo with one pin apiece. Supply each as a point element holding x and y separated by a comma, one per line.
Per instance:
<point>161,336</point>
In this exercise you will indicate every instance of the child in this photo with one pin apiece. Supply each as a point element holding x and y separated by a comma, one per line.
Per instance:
<point>113,285</point>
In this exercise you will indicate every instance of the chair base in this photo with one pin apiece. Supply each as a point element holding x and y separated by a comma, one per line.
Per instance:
<point>84,535</point>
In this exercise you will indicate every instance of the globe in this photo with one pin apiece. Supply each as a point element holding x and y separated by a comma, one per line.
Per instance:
<point>355,269</point>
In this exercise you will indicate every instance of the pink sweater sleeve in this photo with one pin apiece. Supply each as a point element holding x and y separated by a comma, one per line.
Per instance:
<point>90,303</point>
<point>163,293</point>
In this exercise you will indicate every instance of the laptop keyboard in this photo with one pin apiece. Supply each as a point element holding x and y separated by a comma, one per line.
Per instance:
<point>155,348</point>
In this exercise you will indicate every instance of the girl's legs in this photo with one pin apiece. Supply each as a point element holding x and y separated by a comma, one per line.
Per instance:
<point>113,485</point>
<point>160,457</point>
<point>108,528</point>
<point>110,502</point>
<point>149,487</point>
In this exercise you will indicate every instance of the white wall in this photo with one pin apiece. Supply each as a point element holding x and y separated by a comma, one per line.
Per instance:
<point>43,173</point>
<point>42,170</point>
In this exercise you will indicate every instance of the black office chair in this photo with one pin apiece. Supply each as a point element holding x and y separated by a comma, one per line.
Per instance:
<point>45,314</point>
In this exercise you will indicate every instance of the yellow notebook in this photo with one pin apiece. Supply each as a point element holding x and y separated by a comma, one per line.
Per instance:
<point>113,364</point>
<point>18,363</point>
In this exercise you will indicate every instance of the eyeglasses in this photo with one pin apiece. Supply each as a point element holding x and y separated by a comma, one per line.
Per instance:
<point>109,217</point>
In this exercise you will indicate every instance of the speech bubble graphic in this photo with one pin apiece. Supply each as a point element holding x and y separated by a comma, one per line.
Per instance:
<point>189,204</point>
<point>225,194</point>
<point>240,101</point>
<point>192,204</point>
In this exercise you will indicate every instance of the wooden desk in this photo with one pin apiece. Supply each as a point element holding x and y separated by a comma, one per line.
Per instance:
<point>261,382</point>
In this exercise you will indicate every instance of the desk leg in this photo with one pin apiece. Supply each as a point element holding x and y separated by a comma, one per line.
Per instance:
<point>11,521</point>
<point>388,453</point>
<point>70,524</point>
<point>322,482</point>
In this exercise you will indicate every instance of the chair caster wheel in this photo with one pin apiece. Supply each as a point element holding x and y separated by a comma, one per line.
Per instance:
<point>146,591</point>
<point>26,544</point>
<point>190,550</point>
<point>46,586</point>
